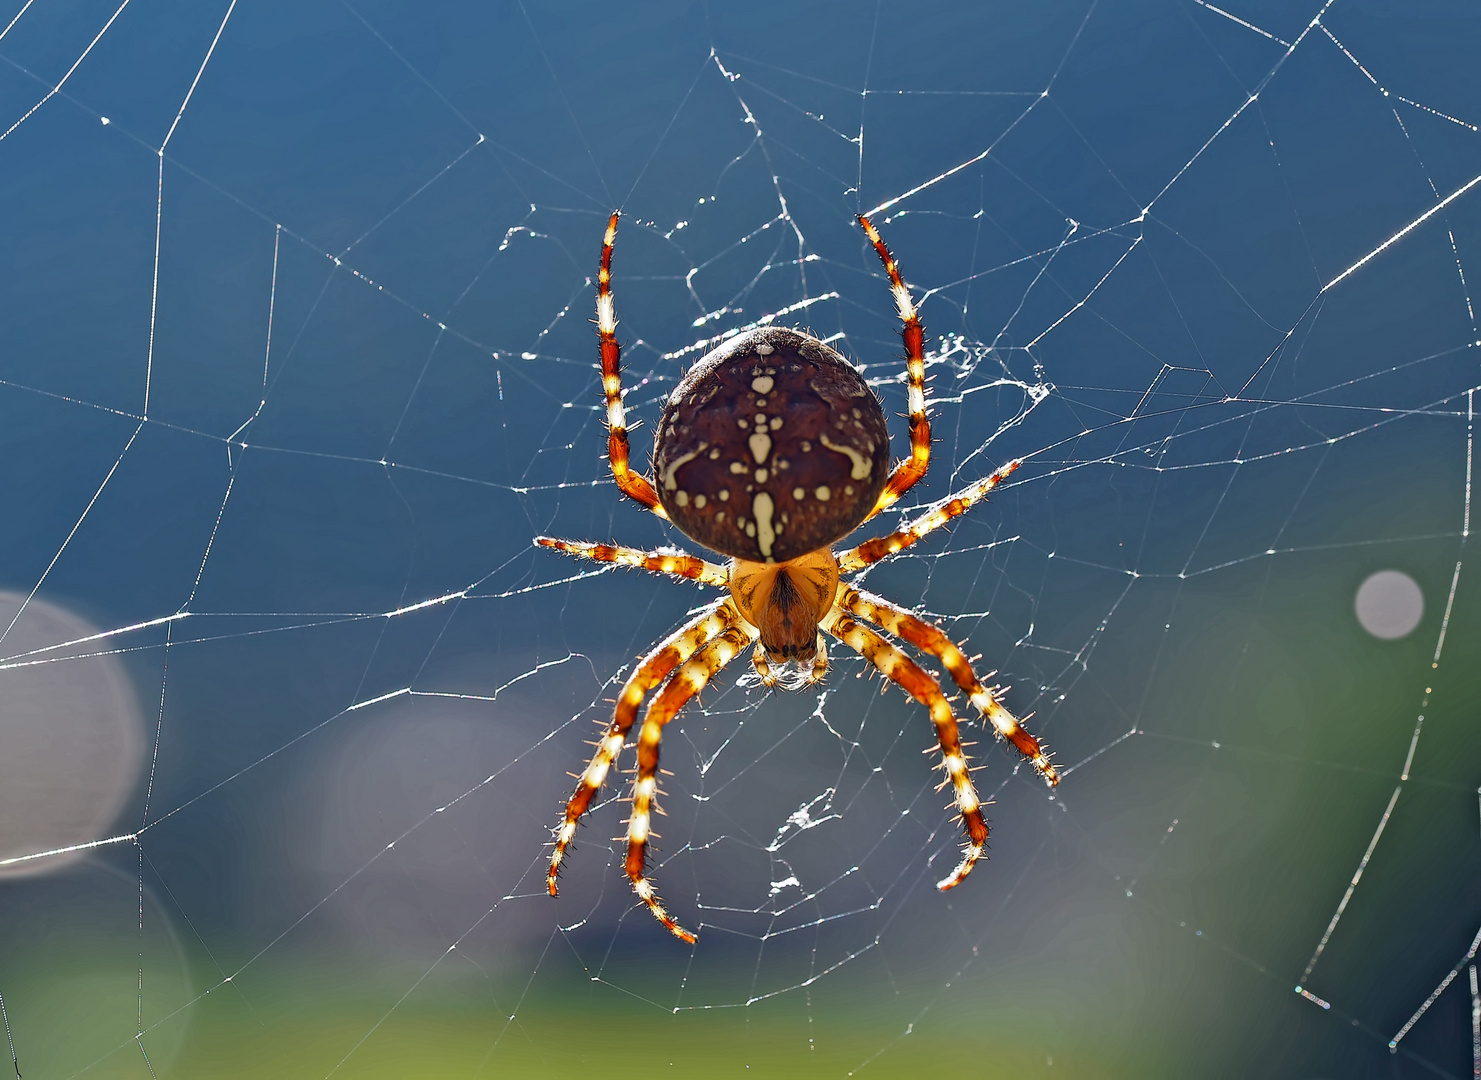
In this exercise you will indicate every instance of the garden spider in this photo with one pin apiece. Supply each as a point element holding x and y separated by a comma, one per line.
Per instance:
<point>771,449</point>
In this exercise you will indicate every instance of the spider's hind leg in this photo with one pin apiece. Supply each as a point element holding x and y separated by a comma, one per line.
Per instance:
<point>654,668</point>
<point>905,673</point>
<point>933,640</point>
<point>688,681</point>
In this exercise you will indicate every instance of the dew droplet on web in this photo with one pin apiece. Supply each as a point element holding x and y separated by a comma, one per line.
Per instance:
<point>1389,604</point>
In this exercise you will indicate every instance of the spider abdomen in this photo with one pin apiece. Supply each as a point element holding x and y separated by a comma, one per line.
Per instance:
<point>771,447</point>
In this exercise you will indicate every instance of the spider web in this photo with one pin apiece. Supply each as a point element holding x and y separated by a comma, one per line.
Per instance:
<point>297,359</point>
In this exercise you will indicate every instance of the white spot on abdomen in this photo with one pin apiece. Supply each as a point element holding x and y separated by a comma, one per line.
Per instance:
<point>760,444</point>
<point>669,482</point>
<point>762,507</point>
<point>859,465</point>
<point>762,384</point>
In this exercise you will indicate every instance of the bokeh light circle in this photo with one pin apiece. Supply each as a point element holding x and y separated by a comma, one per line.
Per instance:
<point>72,739</point>
<point>1389,604</point>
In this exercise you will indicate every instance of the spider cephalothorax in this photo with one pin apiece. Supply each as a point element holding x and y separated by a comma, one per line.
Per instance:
<point>771,449</point>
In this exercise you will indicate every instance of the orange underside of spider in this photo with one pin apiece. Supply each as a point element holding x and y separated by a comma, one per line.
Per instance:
<point>784,609</point>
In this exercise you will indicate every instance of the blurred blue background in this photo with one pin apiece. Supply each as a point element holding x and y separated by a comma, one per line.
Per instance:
<point>296,358</point>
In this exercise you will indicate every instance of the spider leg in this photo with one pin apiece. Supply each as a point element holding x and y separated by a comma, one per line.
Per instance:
<point>657,562</point>
<point>633,485</point>
<point>688,681</point>
<point>871,551</point>
<point>913,468</point>
<point>654,668</point>
<point>930,639</point>
<point>905,673</point>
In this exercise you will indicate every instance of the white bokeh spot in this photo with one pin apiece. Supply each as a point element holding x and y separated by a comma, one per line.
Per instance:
<point>72,742</point>
<point>1389,604</point>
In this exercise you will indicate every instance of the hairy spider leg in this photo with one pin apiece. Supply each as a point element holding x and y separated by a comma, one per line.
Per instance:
<point>688,681</point>
<point>882,547</point>
<point>914,335</point>
<point>633,484</point>
<point>930,639</point>
<point>910,677</point>
<point>654,668</point>
<point>674,564</point>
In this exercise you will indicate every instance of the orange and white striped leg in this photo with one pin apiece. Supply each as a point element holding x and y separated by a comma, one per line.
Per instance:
<point>909,676</point>
<point>881,547</point>
<point>633,484</point>
<point>654,668</point>
<point>688,681</point>
<point>931,639</point>
<point>657,562</point>
<point>914,335</point>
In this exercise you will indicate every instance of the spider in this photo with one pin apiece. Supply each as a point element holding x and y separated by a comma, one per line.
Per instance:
<point>770,450</point>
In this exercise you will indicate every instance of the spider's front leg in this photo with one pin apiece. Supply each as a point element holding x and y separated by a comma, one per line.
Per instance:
<point>688,681</point>
<point>654,668</point>
<point>905,673</point>
<point>914,336</point>
<point>633,484</point>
